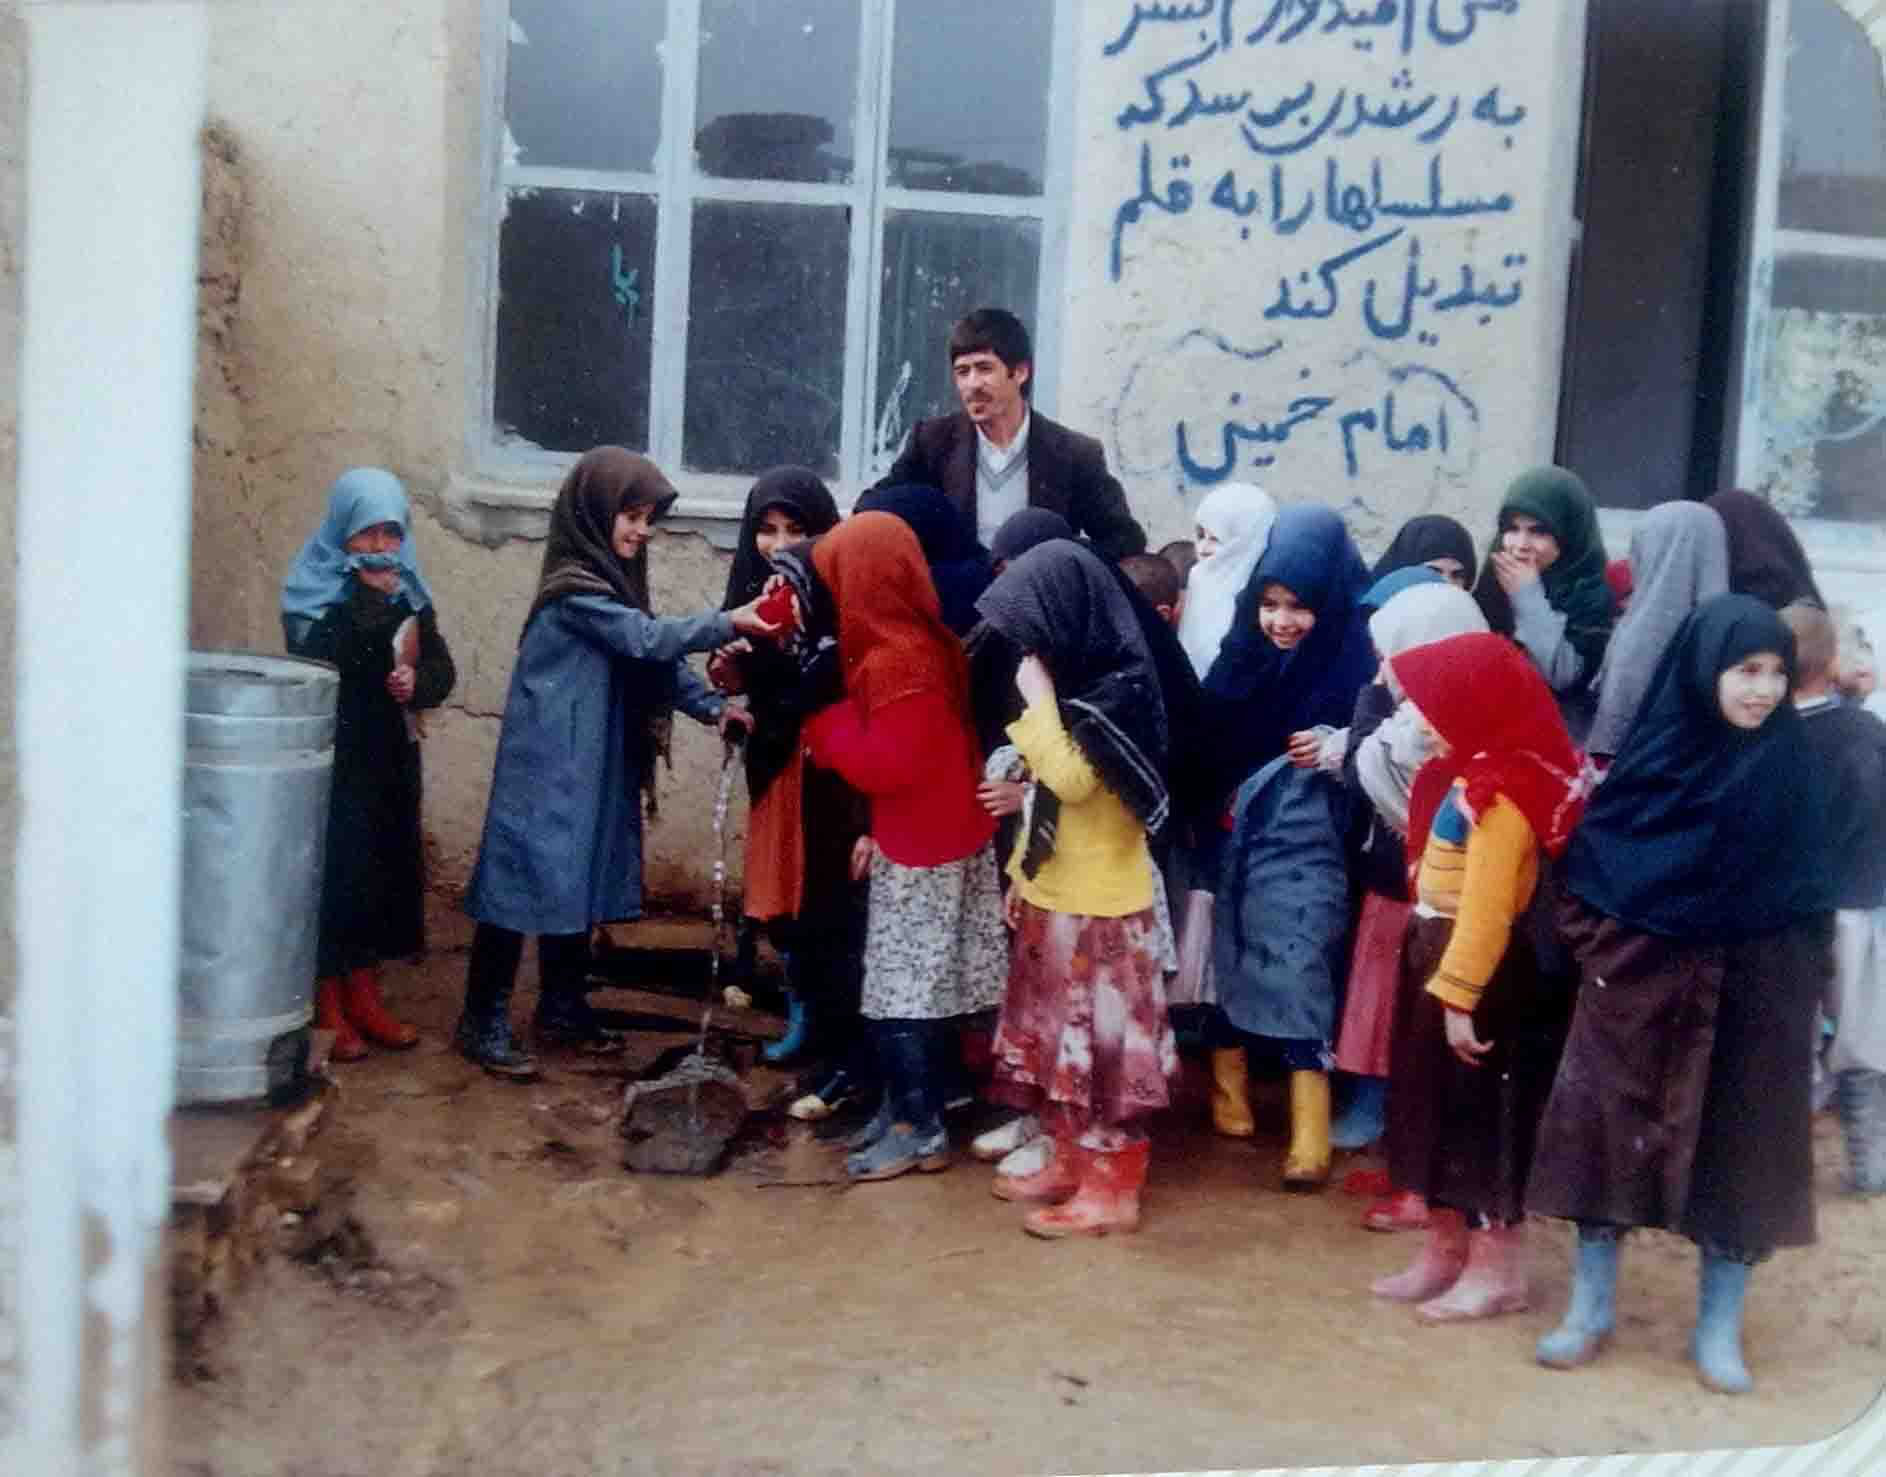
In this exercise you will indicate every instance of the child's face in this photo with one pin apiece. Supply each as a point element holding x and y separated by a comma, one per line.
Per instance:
<point>1529,541</point>
<point>1752,689</point>
<point>633,525</point>
<point>378,538</point>
<point>1282,618</point>
<point>1438,747</point>
<point>1855,673</point>
<point>1450,569</point>
<point>778,530</point>
<point>1204,541</point>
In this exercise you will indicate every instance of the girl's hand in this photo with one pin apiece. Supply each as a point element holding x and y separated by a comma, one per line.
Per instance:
<point>1033,682</point>
<point>734,716</point>
<point>1304,747</point>
<point>723,666</point>
<point>1000,797</point>
<point>749,622</point>
<point>862,850</point>
<point>1461,1039</point>
<point>400,683</point>
<point>1012,907</point>
<point>1513,573</point>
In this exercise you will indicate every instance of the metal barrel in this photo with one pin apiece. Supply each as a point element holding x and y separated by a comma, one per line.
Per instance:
<point>259,762</point>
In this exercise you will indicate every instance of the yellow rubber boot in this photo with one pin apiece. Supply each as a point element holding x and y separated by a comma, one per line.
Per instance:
<point>1231,1093</point>
<point>1306,1166</point>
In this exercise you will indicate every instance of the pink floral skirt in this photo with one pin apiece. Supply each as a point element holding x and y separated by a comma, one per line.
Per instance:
<point>1083,1038</point>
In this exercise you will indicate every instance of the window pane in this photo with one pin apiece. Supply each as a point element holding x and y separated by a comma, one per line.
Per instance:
<point>583,83</point>
<point>766,337</point>
<point>936,268</point>
<point>575,300</point>
<point>1824,390</point>
<point>969,95</point>
<point>778,84</point>
<point>1833,139</point>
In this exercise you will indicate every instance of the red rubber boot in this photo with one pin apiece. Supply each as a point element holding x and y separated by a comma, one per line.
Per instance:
<point>328,1016</point>
<point>360,999</point>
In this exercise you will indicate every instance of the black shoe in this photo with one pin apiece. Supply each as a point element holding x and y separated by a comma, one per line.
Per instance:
<point>491,1045</point>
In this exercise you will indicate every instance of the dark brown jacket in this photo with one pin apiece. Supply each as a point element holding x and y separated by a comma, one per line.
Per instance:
<point>1067,474</point>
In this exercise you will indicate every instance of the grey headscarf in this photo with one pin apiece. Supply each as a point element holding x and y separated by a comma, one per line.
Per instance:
<point>1679,559</point>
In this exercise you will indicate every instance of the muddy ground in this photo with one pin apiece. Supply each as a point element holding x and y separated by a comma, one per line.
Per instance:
<point>508,1300</point>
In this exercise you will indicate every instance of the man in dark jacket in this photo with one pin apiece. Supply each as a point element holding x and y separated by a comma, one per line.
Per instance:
<point>996,458</point>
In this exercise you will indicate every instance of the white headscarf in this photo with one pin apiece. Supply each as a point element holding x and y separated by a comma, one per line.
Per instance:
<point>1421,614</point>
<point>1239,516</point>
<point>1387,760</point>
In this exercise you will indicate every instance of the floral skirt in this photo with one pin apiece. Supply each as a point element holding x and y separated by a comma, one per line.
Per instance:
<point>1083,1037</point>
<point>933,939</point>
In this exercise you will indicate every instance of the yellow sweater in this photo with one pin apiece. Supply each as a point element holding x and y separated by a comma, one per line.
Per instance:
<point>1482,881</point>
<point>1100,865</point>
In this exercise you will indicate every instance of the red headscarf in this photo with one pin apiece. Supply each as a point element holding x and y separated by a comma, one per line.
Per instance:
<point>1482,695</point>
<point>891,638</point>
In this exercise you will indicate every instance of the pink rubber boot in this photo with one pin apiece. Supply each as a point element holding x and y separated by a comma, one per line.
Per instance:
<point>1436,1266</point>
<point>1494,1281</point>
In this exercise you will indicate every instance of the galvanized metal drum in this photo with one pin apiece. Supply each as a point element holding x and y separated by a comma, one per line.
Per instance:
<point>259,736</point>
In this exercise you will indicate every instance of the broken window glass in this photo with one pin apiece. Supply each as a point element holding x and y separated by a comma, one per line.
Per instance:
<point>574,336</point>
<point>766,336</point>
<point>583,84</point>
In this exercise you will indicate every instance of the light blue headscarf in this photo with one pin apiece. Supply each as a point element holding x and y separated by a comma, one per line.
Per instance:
<point>317,579</point>
<point>1395,581</point>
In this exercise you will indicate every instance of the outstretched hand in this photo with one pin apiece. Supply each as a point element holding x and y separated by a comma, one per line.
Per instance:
<point>748,620</point>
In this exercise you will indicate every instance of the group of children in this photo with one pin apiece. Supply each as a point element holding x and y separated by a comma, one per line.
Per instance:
<point>1559,893</point>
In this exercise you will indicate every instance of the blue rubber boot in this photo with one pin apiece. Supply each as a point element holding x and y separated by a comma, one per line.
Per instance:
<point>1363,1121</point>
<point>793,1042</point>
<point>1716,1346</point>
<point>915,1138</point>
<point>1592,1314</point>
<point>880,1124</point>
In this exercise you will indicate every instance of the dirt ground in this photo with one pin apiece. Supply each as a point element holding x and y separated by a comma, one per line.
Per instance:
<point>515,1302</point>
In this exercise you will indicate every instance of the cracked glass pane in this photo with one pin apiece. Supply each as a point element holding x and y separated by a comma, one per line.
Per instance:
<point>575,304</point>
<point>583,84</point>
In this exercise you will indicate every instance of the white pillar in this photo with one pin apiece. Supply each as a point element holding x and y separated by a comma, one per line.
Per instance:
<point>115,105</point>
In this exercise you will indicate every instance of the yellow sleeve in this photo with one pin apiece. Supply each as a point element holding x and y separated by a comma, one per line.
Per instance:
<point>1053,757</point>
<point>1501,873</point>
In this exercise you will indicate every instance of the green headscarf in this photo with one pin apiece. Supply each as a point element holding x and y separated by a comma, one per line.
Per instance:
<point>1574,583</point>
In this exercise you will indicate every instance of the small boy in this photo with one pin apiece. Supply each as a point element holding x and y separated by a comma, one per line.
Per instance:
<point>1181,554</point>
<point>1845,740</point>
<point>1154,577</point>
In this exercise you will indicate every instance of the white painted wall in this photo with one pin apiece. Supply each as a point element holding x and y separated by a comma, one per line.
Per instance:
<point>1274,223</point>
<point>115,96</point>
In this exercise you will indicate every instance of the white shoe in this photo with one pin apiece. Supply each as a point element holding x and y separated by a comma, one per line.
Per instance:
<point>1031,1158</point>
<point>1005,1138</point>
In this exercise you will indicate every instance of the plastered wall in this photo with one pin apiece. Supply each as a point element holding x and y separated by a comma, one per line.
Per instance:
<point>1329,258</point>
<point>1323,248</point>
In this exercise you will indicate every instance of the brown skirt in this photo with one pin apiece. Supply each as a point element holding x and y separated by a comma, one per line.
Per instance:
<point>1684,1097</point>
<point>1463,1135</point>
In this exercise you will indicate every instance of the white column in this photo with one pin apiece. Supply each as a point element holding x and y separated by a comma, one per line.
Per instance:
<point>115,104</point>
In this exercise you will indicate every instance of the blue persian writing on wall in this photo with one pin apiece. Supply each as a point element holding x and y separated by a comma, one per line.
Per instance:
<point>1326,157</point>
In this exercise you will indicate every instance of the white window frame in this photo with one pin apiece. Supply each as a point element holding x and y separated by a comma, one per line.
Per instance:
<point>1849,558</point>
<point>507,482</point>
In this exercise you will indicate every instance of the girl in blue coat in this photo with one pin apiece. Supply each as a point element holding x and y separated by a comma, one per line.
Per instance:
<point>595,678</point>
